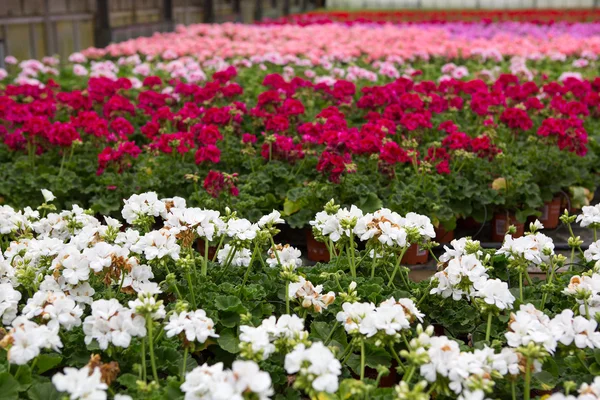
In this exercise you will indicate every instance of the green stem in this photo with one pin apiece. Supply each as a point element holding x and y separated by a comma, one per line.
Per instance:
<point>205,260</point>
<point>406,378</point>
<point>275,250</point>
<point>488,330</point>
<point>144,374</point>
<point>513,389</point>
<point>521,286</point>
<point>184,364</point>
<point>587,309</point>
<point>248,269</point>
<point>362,361</point>
<point>191,288</point>
<point>424,294</point>
<point>397,266</point>
<point>396,357</point>
<point>328,339</point>
<point>287,297</point>
<point>434,257</point>
<point>527,394</point>
<point>150,327</point>
<point>374,263</point>
<point>19,371</point>
<point>218,248</point>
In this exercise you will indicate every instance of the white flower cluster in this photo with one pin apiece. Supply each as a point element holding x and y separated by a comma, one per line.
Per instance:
<point>535,248</point>
<point>466,276</point>
<point>81,383</point>
<point>585,392</point>
<point>385,226</point>
<point>139,206</point>
<point>531,325</point>
<point>26,339</point>
<point>216,383</point>
<point>586,290</point>
<point>271,335</point>
<point>290,257</point>
<point>205,223</point>
<point>194,324</point>
<point>464,370</point>
<point>316,365</point>
<point>111,323</point>
<point>391,317</point>
<point>309,295</point>
<point>54,307</point>
<point>590,216</point>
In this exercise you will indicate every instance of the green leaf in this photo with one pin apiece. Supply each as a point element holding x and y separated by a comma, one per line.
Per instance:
<point>128,380</point>
<point>229,341</point>
<point>228,303</point>
<point>9,386</point>
<point>44,391</point>
<point>46,362</point>
<point>291,207</point>
<point>595,369</point>
<point>545,380</point>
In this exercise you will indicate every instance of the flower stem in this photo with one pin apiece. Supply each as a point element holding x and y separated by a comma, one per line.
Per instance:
<point>150,323</point>
<point>396,357</point>
<point>328,339</point>
<point>488,330</point>
<point>218,248</point>
<point>513,389</point>
<point>184,364</point>
<point>587,309</point>
<point>374,263</point>
<point>205,260</point>
<point>287,297</point>
<point>521,286</point>
<point>527,393</point>
<point>406,378</point>
<point>144,375</point>
<point>191,288</point>
<point>397,266</point>
<point>362,361</point>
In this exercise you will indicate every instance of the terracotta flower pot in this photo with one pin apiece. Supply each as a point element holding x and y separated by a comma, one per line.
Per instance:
<point>211,249</point>
<point>551,213</point>
<point>316,251</point>
<point>468,223</point>
<point>415,255</point>
<point>500,225</point>
<point>442,235</point>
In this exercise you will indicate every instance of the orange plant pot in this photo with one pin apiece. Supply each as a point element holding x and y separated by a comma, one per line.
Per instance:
<point>415,255</point>
<point>443,236</point>
<point>211,249</point>
<point>316,251</point>
<point>500,225</point>
<point>551,213</point>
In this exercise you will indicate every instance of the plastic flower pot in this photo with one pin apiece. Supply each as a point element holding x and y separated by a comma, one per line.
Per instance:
<point>415,255</point>
<point>442,235</point>
<point>500,225</point>
<point>551,213</point>
<point>316,251</point>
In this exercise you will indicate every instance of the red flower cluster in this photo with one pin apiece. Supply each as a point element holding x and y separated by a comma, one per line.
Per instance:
<point>393,123</point>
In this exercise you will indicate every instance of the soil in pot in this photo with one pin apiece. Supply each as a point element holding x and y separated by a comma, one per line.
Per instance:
<point>500,225</point>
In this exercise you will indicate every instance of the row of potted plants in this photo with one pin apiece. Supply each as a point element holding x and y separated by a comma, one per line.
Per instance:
<point>96,308</point>
<point>257,140</point>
